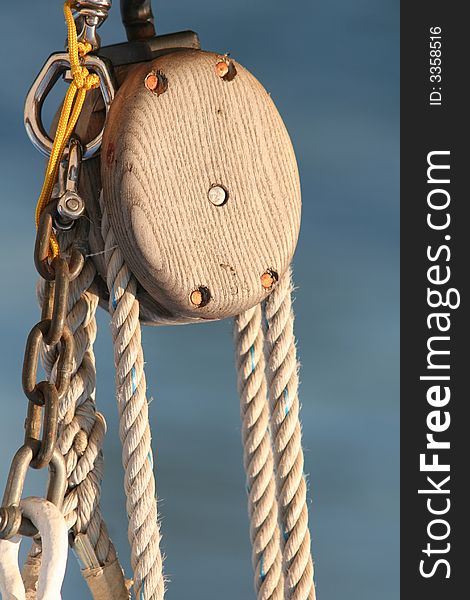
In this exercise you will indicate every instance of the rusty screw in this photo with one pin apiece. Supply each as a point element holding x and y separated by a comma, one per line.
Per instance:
<point>222,68</point>
<point>151,81</point>
<point>269,278</point>
<point>200,297</point>
<point>156,82</point>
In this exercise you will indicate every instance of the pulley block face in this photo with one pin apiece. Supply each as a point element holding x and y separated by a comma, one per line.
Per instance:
<point>201,184</point>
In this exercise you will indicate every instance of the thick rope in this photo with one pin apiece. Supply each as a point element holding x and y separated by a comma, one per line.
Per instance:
<point>81,433</point>
<point>283,382</point>
<point>81,427</point>
<point>134,429</point>
<point>258,457</point>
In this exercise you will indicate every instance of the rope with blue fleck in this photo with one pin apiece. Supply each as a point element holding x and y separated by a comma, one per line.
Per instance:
<point>258,457</point>
<point>134,430</point>
<point>283,383</point>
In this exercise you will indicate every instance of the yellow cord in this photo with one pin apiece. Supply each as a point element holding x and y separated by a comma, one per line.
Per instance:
<point>82,81</point>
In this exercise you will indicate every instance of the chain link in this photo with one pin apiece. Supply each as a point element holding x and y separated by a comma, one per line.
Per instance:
<point>11,520</point>
<point>41,424</point>
<point>44,267</point>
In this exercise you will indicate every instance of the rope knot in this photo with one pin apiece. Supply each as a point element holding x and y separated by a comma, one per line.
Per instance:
<point>80,443</point>
<point>79,75</point>
<point>92,81</point>
<point>84,48</point>
<point>83,79</point>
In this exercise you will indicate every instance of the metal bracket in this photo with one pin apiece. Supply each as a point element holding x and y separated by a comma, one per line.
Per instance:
<point>57,64</point>
<point>143,50</point>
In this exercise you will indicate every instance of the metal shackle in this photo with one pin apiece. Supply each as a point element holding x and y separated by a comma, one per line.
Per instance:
<point>55,66</point>
<point>11,520</point>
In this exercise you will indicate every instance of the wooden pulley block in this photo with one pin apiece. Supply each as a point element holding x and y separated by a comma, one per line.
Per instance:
<point>201,184</point>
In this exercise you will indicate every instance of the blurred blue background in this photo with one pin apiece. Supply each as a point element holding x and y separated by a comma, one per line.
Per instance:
<point>332,69</point>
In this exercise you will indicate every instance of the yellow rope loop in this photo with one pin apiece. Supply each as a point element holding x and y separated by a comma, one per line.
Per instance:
<point>79,75</point>
<point>82,78</point>
<point>82,82</point>
<point>84,48</point>
<point>92,82</point>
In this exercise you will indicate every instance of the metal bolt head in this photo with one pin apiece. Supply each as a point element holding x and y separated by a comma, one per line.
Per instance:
<point>72,204</point>
<point>217,195</point>
<point>156,82</point>
<point>269,278</point>
<point>225,68</point>
<point>70,207</point>
<point>151,81</point>
<point>196,298</point>
<point>200,296</point>
<point>222,68</point>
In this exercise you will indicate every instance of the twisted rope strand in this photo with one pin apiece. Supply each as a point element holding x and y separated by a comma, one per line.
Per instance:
<point>81,433</point>
<point>283,382</point>
<point>81,427</point>
<point>258,457</point>
<point>134,429</point>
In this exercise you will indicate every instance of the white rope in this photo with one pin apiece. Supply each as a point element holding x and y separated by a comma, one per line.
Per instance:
<point>134,429</point>
<point>258,457</point>
<point>81,427</point>
<point>50,523</point>
<point>283,382</point>
<point>81,433</point>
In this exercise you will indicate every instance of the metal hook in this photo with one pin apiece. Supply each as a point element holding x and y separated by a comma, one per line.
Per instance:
<point>70,205</point>
<point>91,15</point>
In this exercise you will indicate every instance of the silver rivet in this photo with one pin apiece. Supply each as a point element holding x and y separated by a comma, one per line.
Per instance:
<point>217,195</point>
<point>70,207</point>
<point>72,204</point>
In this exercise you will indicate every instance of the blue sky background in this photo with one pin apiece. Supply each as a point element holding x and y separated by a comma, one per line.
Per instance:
<point>332,69</point>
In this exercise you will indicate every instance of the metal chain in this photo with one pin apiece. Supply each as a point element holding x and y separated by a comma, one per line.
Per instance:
<point>39,448</point>
<point>55,211</point>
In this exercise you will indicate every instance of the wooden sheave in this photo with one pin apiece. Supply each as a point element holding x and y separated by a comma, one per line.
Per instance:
<point>162,153</point>
<point>169,248</point>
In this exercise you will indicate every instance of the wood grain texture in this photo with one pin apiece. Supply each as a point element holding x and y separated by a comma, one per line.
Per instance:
<point>89,124</point>
<point>161,153</point>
